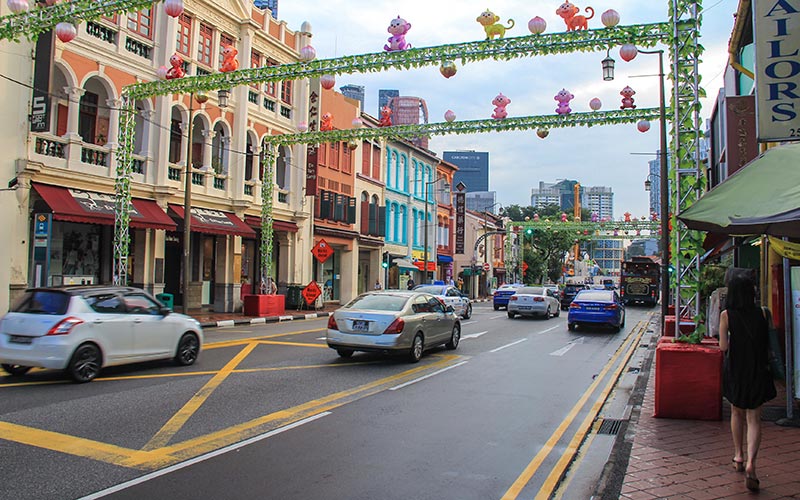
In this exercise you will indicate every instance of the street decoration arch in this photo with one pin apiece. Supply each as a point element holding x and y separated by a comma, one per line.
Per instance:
<point>681,34</point>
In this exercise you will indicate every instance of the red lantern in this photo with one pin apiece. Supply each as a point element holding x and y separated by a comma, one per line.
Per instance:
<point>537,25</point>
<point>595,104</point>
<point>327,81</point>
<point>643,125</point>
<point>610,18</point>
<point>18,6</point>
<point>308,53</point>
<point>173,8</point>
<point>628,51</point>
<point>449,115</point>
<point>66,32</point>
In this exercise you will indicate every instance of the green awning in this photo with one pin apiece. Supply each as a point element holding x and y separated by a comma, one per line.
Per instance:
<point>761,198</point>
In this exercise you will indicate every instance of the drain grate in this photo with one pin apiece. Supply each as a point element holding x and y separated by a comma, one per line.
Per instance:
<point>610,426</point>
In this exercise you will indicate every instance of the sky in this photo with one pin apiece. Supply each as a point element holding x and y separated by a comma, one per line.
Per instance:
<point>611,155</point>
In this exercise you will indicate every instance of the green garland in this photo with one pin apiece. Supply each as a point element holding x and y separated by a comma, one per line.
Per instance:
<point>268,174</point>
<point>645,35</point>
<point>122,189</point>
<point>43,18</point>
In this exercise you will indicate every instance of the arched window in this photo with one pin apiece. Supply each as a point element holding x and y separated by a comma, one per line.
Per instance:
<point>403,237</point>
<point>282,166</point>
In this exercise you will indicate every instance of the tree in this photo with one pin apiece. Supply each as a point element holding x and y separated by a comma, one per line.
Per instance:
<point>544,252</point>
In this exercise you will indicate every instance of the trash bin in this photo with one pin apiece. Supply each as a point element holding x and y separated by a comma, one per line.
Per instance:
<point>167,299</point>
<point>294,297</point>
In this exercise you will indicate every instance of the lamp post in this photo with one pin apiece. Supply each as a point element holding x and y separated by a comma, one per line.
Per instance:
<point>425,224</point>
<point>486,240</point>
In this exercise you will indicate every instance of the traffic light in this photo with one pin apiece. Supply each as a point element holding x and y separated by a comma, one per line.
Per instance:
<point>529,231</point>
<point>385,261</point>
<point>671,269</point>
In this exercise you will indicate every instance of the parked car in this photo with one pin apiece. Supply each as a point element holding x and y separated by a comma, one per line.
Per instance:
<point>501,295</point>
<point>451,296</point>
<point>84,329</point>
<point>569,293</point>
<point>598,308</point>
<point>405,322</point>
<point>534,301</point>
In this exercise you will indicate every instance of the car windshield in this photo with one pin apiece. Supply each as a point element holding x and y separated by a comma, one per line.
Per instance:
<point>595,296</point>
<point>509,287</point>
<point>529,290</point>
<point>573,288</point>
<point>378,302</point>
<point>431,289</point>
<point>43,302</point>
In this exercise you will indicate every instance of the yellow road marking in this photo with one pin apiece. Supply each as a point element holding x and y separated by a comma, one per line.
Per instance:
<point>177,421</point>
<point>300,344</point>
<point>227,343</point>
<point>526,475</point>
<point>557,472</point>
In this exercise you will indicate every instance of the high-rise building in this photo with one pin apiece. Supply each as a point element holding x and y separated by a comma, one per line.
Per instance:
<point>354,92</point>
<point>384,96</point>
<point>473,169</point>
<point>598,199</point>
<point>271,5</point>
<point>407,110</point>
<point>654,176</point>
<point>482,201</point>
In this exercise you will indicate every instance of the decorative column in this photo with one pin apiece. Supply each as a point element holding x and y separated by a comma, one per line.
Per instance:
<point>113,122</point>
<point>185,127</point>
<point>74,95</point>
<point>225,144</point>
<point>208,137</point>
<point>147,115</point>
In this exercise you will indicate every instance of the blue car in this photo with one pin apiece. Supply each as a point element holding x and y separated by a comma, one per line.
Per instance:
<point>596,308</point>
<point>501,295</point>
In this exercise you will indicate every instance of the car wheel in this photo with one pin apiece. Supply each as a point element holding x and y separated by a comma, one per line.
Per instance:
<point>558,312</point>
<point>548,314</point>
<point>455,337</point>
<point>571,327</point>
<point>188,350</point>
<point>345,353</point>
<point>511,315</point>
<point>622,322</point>
<point>85,363</point>
<point>416,349</point>
<point>496,307</point>
<point>16,370</point>
<point>468,312</point>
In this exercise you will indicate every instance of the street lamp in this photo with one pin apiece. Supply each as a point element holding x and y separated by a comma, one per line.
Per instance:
<point>608,67</point>
<point>446,186</point>
<point>486,240</point>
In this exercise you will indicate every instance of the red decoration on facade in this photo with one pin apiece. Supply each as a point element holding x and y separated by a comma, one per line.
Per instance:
<point>322,251</point>
<point>311,292</point>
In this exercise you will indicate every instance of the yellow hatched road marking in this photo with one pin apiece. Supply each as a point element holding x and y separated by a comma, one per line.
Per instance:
<point>300,344</point>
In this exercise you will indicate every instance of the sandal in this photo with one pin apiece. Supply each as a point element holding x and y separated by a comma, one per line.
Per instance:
<point>751,483</point>
<point>738,465</point>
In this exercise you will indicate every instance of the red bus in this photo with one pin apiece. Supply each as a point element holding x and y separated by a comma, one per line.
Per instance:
<point>639,281</point>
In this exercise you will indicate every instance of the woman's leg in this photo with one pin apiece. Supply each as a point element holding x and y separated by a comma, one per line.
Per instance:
<point>753,440</point>
<point>737,431</point>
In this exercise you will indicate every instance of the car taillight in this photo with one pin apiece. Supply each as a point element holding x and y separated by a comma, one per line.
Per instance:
<point>332,323</point>
<point>538,299</point>
<point>574,305</point>
<point>396,327</point>
<point>610,307</point>
<point>495,293</point>
<point>513,297</point>
<point>64,326</point>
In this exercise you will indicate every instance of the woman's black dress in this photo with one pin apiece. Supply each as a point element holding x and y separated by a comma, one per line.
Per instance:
<point>747,381</point>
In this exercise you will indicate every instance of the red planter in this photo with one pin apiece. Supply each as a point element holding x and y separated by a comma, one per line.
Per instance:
<point>688,381</point>
<point>264,305</point>
<point>686,326</point>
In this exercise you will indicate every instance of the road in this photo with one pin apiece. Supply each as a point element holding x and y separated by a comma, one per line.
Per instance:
<point>270,412</point>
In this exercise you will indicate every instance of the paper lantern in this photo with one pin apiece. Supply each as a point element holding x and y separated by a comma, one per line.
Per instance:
<point>173,8</point>
<point>161,72</point>
<point>595,104</point>
<point>449,116</point>
<point>537,25</point>
<point>610,18</point>
<point>308,53</point>
<point>18,6</point>
<point>448,69</point>
<point>201,97</point>
<point>542,133</point>
<point>327,81</point>
<point>302,127</point>
<point>66,32</point>
<point>352,144</point>
<point>628,51</point>
<point>643,125</point>
<point>357,123</point>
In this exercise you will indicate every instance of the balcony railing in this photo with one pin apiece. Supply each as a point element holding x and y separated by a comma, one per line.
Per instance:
<point>94,156</point>
<point>138,164</point>
<point>283,197</point>
<point>252,97</point>
<point>99,31</point>
<point>138,48</point>
<point>248,188</point>
<point>198,178</point>
<point>174,172</point>
<point>286,112</point>
<point>269,105</point>
<point>50,147</point>
<point>219,182</point>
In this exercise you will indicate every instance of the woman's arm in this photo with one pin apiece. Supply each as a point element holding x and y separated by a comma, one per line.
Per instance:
<point>723,330</point>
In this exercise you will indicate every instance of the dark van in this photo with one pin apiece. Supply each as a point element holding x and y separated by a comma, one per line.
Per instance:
<point>569,293</point>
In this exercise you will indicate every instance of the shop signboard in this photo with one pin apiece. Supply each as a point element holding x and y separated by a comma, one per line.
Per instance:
<point>40,103</point>
<point>311,149</point>
<point>40,268</point>
<point>461,206</point>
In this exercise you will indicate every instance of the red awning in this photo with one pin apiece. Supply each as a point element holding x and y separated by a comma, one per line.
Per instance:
<point>88,207</point>
<point>209,221</point>
<point>421,265</point>
<point>277,225</point>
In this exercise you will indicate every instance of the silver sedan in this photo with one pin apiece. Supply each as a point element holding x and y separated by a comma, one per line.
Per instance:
<point>405,322</point>
<point>534,301</point>
<point>451,296</point>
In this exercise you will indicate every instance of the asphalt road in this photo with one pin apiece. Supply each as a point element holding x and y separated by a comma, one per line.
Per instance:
<point>270,412</point>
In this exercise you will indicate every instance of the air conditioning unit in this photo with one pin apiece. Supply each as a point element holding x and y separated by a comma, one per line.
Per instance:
<point>78,280</point>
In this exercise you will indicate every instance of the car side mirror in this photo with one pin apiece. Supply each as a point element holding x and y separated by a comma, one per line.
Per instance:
<point>449,309</point>
<point>165,311</point>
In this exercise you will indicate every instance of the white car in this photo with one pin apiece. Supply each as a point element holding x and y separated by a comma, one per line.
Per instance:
<point>534,301</point>
<point>451,296</point>
<point>83,329</point>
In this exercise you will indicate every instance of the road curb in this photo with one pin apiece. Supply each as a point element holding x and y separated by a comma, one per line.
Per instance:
<point>263,320</point>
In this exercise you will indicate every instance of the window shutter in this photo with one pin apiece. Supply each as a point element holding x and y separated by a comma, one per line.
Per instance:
<point>366,214</point>
<point>381,221</point>
<point>325,204</point>
<point>373,219</point>
<point>351,209</point>
<point>338,207</point>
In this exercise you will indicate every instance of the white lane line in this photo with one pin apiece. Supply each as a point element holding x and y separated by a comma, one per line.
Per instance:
<point>567,347</point>
<point>473,335</point>
<point>201,458</point>
<point>549,329</point>
<point>508,345</point>
<point>467,322</point>
<point>426,376</point>
<point>322,338</point>
<point>498,317</point>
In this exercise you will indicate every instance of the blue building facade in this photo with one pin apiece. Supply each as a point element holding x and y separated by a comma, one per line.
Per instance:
<point>473,169</point>
<point>271,5</point>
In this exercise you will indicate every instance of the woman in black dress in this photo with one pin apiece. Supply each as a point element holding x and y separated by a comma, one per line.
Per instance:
<point>746,379</point>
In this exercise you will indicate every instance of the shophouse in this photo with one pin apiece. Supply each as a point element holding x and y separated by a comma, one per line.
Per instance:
<point>445,222</point>
<point>475,265</point>
<point>66,177</point>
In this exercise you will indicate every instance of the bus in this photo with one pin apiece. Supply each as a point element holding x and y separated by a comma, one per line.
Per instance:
<point>639,281</point>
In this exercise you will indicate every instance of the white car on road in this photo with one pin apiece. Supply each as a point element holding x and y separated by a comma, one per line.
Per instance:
<point>451,296</point>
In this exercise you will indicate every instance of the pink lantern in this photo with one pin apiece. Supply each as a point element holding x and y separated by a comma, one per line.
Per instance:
<point>173,8</point>
<point>308,53</point>
<point>18,6</point>
<point>327,81</point>
<point>448,69</point>
<point>537,25</point>
<point>66,32</point>
<point>628,51</point>
<point>449,116</point>
<point>162,72</point>
<point>610,18</point>
<point>595,104</point>
<point>357,123</point>
<point>302,127</point>
<point>542,133</point>
<point>643,125</point>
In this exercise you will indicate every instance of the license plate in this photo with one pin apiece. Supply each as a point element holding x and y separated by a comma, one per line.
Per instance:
<point>525,308</point>
<point>592,308</point>
<point>20,339</point>
<point>359,325</point>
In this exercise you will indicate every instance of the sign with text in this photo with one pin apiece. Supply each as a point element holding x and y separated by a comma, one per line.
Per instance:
<point>311,292</point>
<point>311,149</point>
<point>40,102</point>
<point>742,145</point>
<point>776,30</point>
<point>461,207</point>
<point>322,251</point>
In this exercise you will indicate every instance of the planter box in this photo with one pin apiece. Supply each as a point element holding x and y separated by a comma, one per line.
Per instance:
<point>686,326</point>
<point>688,381</point>
<point>264,305</point>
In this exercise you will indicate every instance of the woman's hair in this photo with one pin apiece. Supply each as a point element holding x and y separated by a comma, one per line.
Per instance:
<point>741,294</point>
